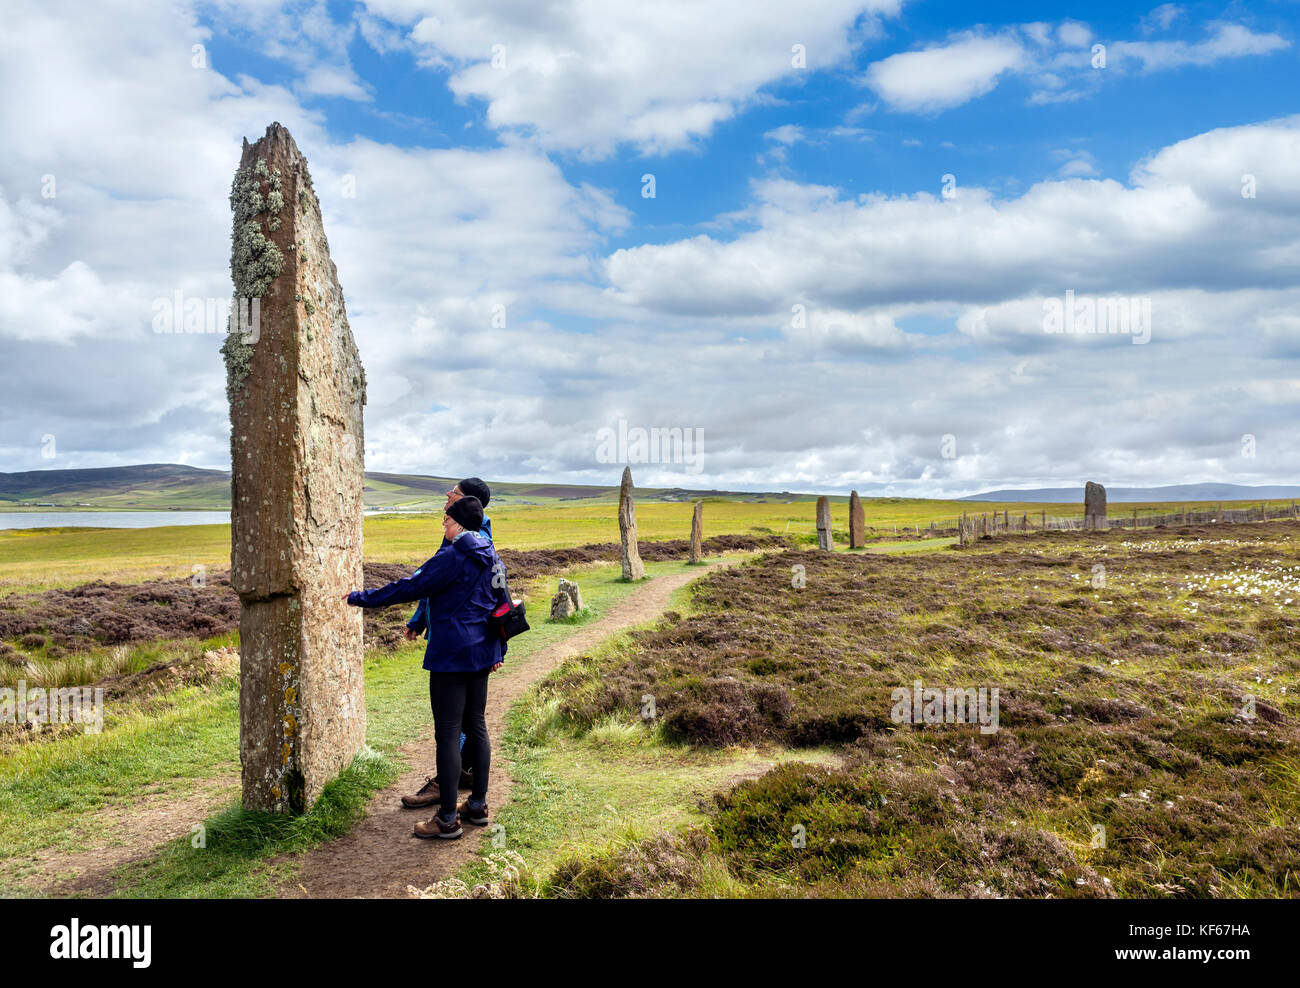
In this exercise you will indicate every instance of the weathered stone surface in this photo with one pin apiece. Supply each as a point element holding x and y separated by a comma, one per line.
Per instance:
<point>562,607</point>
<point>824,538</point>
<point>1094,506</point>
<point>858,522</point>
<point>633,568</point>
<point>296,389</point>
<point>697,533</point>
<point>567,601</point>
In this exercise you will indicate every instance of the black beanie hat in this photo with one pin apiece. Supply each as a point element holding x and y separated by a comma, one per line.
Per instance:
<point>473,487</point>
<point>467,513</point>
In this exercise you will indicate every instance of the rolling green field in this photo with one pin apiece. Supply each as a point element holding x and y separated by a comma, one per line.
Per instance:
<point>32,559</point>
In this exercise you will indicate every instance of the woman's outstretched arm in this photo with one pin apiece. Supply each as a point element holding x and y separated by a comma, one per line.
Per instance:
<point>424,582</point>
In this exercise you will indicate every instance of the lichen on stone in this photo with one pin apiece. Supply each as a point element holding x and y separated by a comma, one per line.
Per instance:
<point>239,361</point>
<point>255,260</point>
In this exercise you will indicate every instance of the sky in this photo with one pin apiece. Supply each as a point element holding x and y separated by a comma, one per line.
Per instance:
<point>837,244</point>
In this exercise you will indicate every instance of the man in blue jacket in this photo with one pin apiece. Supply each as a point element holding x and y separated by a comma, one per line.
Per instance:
<point>463,650</point>
<point>469,487</point>
<point>427,795</point>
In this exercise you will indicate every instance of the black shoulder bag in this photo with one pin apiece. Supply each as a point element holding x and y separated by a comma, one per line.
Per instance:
<point>509,617</point>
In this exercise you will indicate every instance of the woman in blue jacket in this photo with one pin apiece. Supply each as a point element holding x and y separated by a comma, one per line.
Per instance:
<point>461,591</point>
<point>427,794</point>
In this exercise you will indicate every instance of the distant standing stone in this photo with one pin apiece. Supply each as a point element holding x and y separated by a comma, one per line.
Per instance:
<point>697,533</point>
<point>858,522</point>
<point>296,390</point>
<point>633,568</point>
<point>824,538</point>
<point>1094,506</point>
<point>567,601</point>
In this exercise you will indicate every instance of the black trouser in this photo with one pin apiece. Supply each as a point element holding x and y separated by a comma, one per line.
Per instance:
<point>458,700</point>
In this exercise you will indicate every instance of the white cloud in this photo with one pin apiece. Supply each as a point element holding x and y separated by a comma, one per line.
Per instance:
<point>587,76</point>
<point>1226,41</point>
<point>1183,221</point>
<point>786,134</point>
<point>945,75</point>
<point>1057,62</point>
<point>1076,163</point>
<point>1074,34</point>
<point>1160,18</point>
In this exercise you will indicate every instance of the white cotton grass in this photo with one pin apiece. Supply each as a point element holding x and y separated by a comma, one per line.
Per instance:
<point>1274,581</point>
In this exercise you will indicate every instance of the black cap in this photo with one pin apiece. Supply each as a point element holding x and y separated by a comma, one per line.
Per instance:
<point>473,487</point>
<point>467,513</point>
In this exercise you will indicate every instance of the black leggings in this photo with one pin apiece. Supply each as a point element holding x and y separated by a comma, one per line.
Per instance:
<point>458,700</point>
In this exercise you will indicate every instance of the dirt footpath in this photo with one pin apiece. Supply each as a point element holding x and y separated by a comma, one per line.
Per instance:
<point>380,857</point>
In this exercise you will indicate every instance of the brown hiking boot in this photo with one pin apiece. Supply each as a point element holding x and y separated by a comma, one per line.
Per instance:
<point>427,796</point>
<point>436,826</point>
<point>472,813</point>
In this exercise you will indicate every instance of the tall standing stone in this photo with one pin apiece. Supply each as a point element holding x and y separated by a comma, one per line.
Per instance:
<point>296,389</point>
<point>1094,506</point>
<point>633,568</point>
<point>858,522</point>
<point>697,533</point>
<point>824,538</point>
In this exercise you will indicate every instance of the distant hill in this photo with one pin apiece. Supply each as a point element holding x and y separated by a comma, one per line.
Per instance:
<point>154,485</point>
<point>171,486</point>
<point>1176,492</point>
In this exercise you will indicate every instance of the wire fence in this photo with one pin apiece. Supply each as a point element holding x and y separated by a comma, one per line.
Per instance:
<point>968,526</point>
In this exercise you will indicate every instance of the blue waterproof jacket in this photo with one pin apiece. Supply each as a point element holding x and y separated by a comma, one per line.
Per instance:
<point>419,623</point>
<point>457,583</point>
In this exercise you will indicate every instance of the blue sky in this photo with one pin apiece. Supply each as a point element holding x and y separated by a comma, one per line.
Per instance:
<point>819,188</point>
<point>1000,140</point>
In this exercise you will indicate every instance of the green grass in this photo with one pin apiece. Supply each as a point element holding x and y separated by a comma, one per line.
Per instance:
<point>50,793</point>
<point>580,793</point>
